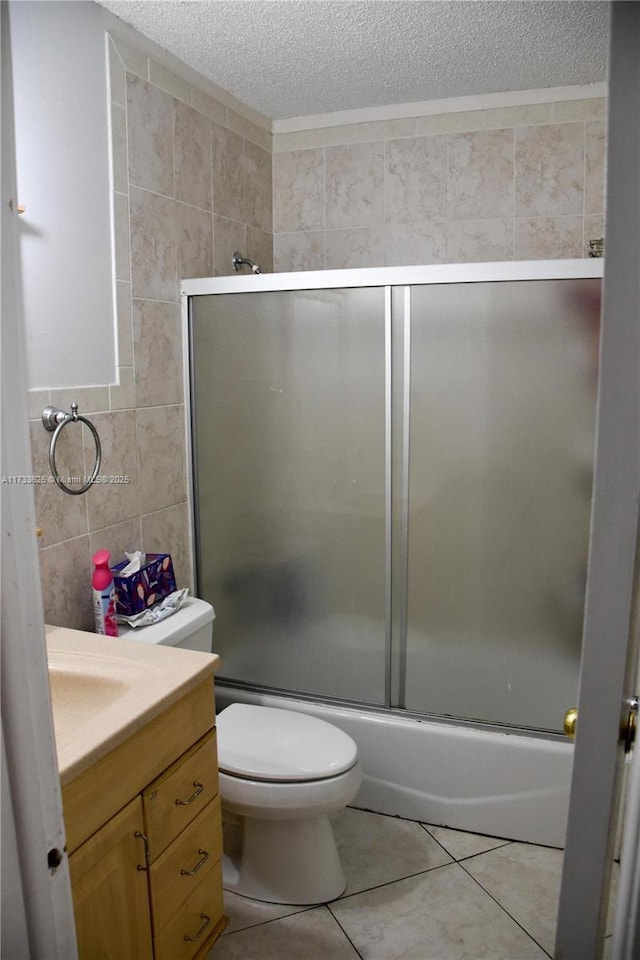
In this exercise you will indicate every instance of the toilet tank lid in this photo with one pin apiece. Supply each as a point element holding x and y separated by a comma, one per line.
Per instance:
<point>191,617</point>
<point>264,743</point>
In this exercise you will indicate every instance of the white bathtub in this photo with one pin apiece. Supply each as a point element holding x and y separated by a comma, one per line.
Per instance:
<point>501,784</point>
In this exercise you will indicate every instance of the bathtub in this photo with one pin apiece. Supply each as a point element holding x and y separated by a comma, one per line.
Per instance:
<point>501,784</point>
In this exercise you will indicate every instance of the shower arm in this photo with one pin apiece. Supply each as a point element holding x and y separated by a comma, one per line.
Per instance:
<point>238,260</point>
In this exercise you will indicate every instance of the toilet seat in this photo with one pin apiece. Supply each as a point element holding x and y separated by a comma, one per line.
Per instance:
<point>299,800</point>
<point>272,745</point>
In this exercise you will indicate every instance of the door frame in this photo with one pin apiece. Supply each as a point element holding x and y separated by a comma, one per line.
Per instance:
<point>608,674</point>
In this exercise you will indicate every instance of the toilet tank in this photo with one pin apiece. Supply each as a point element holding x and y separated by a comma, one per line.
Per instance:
<point>191,628</point>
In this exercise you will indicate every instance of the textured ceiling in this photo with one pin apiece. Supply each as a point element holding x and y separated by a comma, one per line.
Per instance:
<point>290,58</point>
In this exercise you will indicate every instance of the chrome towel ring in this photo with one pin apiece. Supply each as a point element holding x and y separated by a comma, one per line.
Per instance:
<point>56,420</point>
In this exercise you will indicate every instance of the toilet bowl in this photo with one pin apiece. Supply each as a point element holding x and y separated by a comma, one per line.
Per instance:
<point>281,774</point>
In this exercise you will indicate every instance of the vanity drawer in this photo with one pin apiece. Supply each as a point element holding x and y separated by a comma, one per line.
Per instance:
<point>201,919</point>
<point>196,850</point>
<point>175,798</point>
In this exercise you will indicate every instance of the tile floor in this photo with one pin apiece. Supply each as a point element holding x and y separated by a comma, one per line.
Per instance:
<point>414,892</point>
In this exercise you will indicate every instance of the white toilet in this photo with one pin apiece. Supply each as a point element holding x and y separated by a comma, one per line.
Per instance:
<point>281,774</point>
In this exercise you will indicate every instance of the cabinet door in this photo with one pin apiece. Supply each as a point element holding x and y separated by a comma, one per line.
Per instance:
<point>110,894</point>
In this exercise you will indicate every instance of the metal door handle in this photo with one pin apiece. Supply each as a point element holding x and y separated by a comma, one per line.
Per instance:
<point>627,726</point>
<point>571,722</point>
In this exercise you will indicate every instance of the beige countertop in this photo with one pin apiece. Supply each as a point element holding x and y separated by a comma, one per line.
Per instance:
<point>104,689</point>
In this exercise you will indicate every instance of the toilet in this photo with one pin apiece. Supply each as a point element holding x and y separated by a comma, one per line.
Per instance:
<point>282,773</point>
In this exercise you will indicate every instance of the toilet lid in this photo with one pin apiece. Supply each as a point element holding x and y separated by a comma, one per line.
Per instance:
<point>262,743</point>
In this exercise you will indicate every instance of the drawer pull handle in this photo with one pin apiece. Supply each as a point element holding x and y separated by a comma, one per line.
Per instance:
<point>145,840</point>
<point>196,793</point>
<point>204,856</point>
<point>198,934</point>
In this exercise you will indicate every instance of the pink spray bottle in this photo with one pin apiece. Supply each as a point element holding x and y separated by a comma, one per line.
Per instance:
<point>104,595</point>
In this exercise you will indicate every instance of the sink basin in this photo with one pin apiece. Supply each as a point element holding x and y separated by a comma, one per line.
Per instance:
<point>75,691</point>
<point>103,689</point>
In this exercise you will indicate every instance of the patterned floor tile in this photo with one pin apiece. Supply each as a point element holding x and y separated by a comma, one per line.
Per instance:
<point>377,849</point>
<point>310,935</point>
<point>439,915</point>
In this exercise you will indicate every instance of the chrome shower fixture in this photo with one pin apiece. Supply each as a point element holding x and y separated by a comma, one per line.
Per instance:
<point>238,260</point>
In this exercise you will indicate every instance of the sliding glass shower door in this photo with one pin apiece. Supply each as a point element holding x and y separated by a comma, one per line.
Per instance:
<point>289,400</point>
<point>393,487</point>
<point>502,405</point>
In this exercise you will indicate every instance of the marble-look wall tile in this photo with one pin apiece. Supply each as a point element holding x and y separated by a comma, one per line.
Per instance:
<point>565,111</point>
<point>167,531</point>
<point>194,242</point>
<point>526,113</point>
<point>384,129</point>
<point>153,246</point>
<point>119,156</point>
<point>192,146</point>
<point>228,236</point>
<point>258,187</point>
<point>111,502</point>
<point>89,399</point>
<point>208,105</point>
<point>118,539</point>
<point>246,128</point>
<point>37,400</point>
<point>125,337</point>
<point>595,156</point>
<point>549,170</point>
<point>354,186</point>
<point>299,251</point>
<point>449,122</point>
<point>66,584</point>
<point>476,241</point>
<point>259,247</point>
<point>150,118</point>
<point>161,457</point>
<point>228,173</point>
<point>415,179</point>
<point>59,516</point>
<point>480,175</point>
<point>133,59</point>
<point>298,189</point>
<point>157,344</point>
<point>415,243</point>
<point>358,247</point>
<point>122,231</point>
<point>122,395</point>
<point>593,230</point>
<point>169,81</point>
<point>548,238</point>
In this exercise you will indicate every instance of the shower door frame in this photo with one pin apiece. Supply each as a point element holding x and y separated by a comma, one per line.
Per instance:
<point>388,278</point>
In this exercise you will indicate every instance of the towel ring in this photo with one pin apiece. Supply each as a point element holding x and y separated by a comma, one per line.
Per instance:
<point>56,420</point>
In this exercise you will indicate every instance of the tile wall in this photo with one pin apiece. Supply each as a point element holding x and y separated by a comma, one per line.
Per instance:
<point>192,183</point>
<point>518,183</point>
<point>195,180</point>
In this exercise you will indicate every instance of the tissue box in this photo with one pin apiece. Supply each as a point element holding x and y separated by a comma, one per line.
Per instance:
<point>152,582</point>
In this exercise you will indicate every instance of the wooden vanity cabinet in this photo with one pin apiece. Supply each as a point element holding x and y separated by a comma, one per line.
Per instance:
<point>147,881</point>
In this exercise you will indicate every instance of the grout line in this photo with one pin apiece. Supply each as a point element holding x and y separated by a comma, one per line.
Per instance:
<point>389,883</point>
<point>263,923</point>
<point>500,842</point>
<point>331,913</point>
